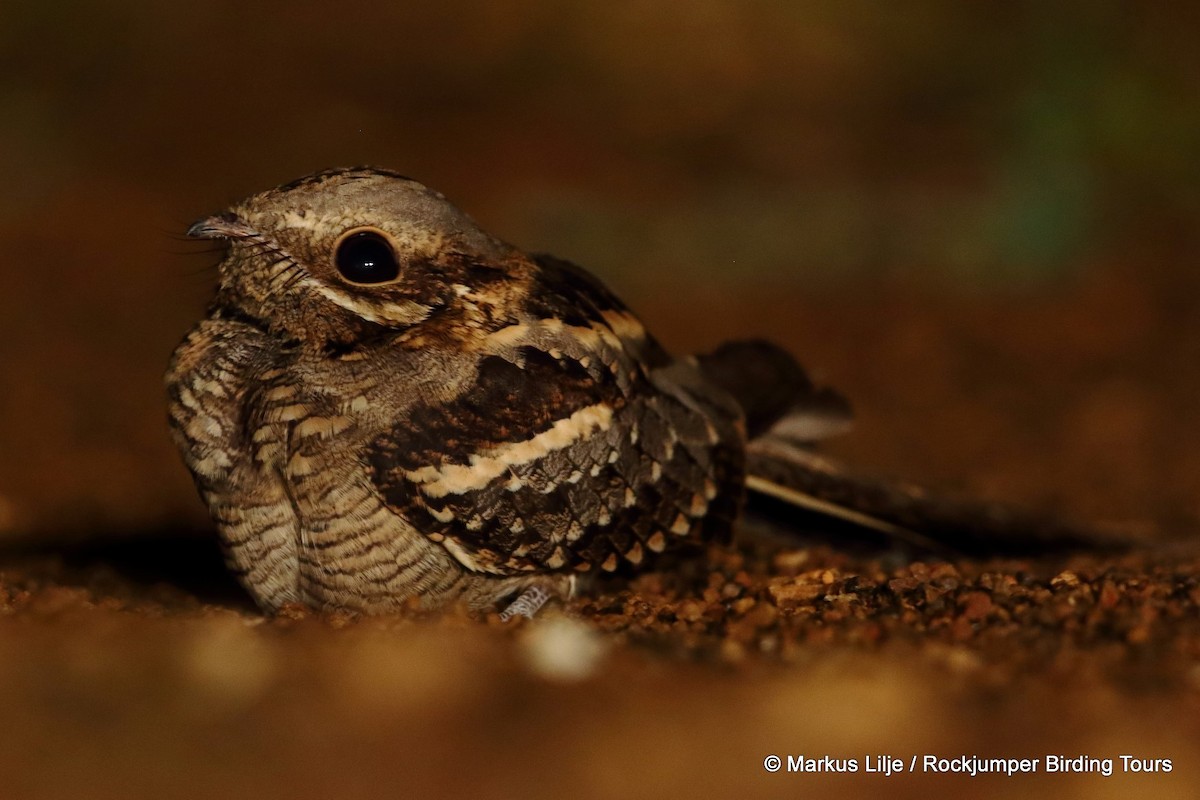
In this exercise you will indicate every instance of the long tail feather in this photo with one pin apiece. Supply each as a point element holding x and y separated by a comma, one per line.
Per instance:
<point>905,513</point>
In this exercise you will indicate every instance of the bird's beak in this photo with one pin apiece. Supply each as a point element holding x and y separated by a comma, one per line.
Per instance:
<point>220,226</point>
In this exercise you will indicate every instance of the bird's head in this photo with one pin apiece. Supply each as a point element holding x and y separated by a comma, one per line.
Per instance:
<point>331,254</point>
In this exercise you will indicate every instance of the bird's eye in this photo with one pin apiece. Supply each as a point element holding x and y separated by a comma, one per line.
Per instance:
<point>366,256</point>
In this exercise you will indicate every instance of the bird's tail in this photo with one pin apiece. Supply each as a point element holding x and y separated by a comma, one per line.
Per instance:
<point>787,414</point>
<point>782,471</point>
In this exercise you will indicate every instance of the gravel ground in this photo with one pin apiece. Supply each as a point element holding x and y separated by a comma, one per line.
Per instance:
<point>119,686</point>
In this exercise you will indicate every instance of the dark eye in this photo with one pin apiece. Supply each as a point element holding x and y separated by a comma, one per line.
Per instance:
<point>366,257</point>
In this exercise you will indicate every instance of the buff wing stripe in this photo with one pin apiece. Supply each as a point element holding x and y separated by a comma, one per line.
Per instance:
<point>545,464</point>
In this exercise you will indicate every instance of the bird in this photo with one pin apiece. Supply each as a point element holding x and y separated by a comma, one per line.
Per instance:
<point>386,406</point>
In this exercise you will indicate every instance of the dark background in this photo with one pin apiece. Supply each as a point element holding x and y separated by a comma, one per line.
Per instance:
<point>977,219</point>
<point>858,180</point>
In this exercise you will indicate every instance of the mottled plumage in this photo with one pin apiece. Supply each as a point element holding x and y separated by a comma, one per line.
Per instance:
<point>480,422</point>
<point>385,403</point>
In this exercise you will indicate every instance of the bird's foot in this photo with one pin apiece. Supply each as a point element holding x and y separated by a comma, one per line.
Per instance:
<point>527,604</point>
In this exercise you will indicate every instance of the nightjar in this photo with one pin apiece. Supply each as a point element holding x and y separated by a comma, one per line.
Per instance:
<point>387,405</point>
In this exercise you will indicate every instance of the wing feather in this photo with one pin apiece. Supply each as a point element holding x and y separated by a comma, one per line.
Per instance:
<point>564,454</point>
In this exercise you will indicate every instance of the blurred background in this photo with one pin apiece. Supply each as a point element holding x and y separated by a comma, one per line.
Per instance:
<point>977,219</point>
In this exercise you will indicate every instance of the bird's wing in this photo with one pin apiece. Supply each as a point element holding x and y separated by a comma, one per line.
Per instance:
<point>775,393</point>
<point>565,453</point>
